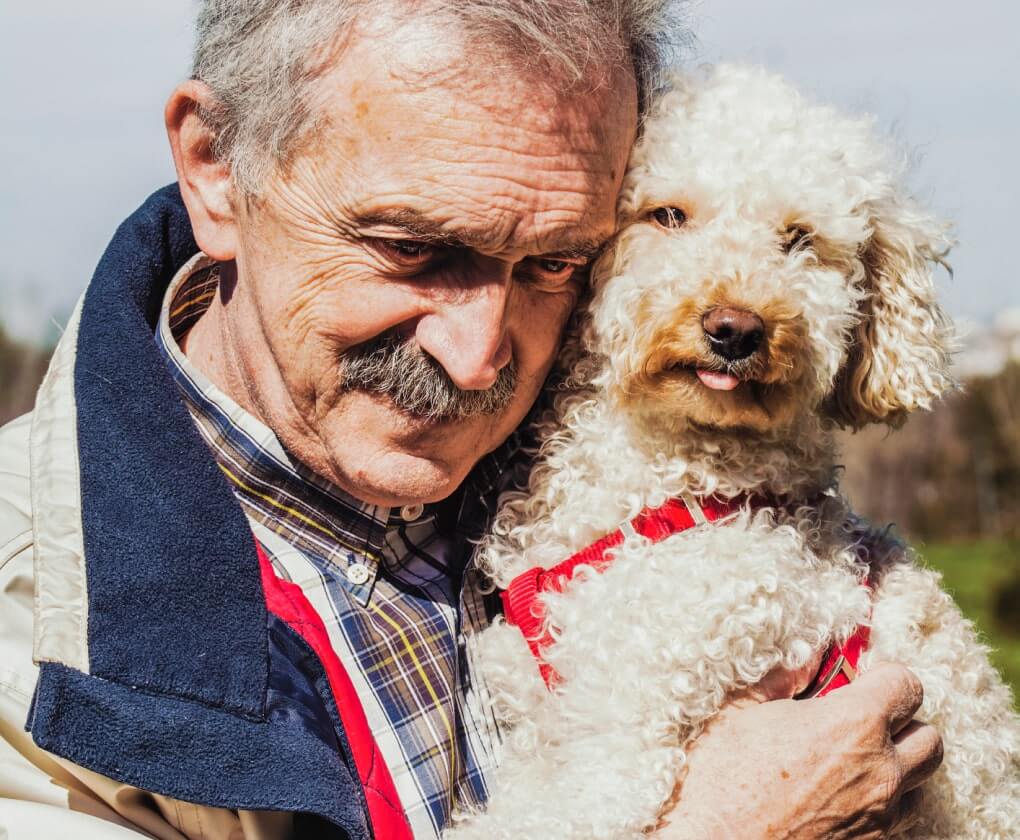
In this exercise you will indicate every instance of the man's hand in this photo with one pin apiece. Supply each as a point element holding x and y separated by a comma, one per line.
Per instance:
<point>839,766</point>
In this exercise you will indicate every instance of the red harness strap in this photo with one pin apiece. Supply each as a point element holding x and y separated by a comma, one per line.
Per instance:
<point>524,609</point>
<point>839,666</point>
<point>521,604</point>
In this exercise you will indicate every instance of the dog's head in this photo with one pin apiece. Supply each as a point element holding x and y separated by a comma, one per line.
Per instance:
<point>767,265</point>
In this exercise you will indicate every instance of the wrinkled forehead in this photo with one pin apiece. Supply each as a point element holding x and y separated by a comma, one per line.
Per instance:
<point>417,120</point>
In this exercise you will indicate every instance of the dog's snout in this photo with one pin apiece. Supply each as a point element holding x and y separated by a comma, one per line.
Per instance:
<point>733,334</point>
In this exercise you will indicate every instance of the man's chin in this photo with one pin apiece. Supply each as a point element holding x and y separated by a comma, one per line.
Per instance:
<point>397,477</point>
<point>385,456</point>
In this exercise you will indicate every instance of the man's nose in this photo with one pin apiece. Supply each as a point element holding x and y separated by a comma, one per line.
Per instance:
<point>467,334</point>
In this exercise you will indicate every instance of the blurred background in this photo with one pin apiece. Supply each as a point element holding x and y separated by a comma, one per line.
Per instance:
<point>82,144</point>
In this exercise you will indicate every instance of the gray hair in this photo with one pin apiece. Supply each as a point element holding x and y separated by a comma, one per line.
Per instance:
<point>259,57</point>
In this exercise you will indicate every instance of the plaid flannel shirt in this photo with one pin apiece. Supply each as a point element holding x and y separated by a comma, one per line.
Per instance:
<point>396,589</point>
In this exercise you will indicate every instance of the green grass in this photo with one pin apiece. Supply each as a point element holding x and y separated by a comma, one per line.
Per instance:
<point>984,578</point>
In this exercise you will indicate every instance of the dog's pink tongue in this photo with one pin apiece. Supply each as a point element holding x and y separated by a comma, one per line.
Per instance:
<point>718,381</point>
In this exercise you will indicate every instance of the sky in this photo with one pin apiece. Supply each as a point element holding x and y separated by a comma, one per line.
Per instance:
<point>82,140</point>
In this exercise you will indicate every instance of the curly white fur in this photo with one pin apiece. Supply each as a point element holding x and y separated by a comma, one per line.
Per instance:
<point>795,213</point>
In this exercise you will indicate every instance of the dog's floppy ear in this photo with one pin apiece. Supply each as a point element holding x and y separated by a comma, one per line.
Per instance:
<point>900,350</point>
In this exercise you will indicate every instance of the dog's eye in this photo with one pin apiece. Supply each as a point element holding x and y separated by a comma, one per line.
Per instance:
<point>795,237</point>
<point>669,218</point>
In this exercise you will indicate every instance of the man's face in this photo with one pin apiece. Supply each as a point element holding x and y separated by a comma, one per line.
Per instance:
<point>444,208</point>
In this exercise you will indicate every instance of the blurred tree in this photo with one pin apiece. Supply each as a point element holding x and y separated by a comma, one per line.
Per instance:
<point>22,367</point>
<point>953,473</point>
<point>990,419</point>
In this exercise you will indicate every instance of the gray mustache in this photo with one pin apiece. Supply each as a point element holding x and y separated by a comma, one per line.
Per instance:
<point>416,383</point>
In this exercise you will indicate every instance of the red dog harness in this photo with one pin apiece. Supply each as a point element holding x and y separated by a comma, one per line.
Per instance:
<point>523,607</point>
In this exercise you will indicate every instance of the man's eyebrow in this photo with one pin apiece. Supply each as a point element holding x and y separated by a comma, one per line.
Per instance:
<point>418,226</point>
<point>421,227</point>
<point>586,249</point>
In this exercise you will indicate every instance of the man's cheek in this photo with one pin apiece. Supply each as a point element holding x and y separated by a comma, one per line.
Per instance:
<point>320,313</point>
<point>309,365</point>
<point>544,318</point>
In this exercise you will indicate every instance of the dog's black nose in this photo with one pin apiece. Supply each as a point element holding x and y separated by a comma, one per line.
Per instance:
<point>733,334</point>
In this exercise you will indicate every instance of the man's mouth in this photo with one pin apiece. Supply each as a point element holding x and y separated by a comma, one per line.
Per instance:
<point>717,380</point>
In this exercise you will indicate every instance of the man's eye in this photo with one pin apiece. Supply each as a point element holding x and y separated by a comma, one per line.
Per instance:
<point>550,272</point>
<point>554,271</point>
<point>408,250</point>
<point>555,266</point>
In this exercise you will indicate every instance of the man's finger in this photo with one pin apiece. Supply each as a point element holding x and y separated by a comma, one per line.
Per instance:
<point>894,689</point>
<point>919,750</point>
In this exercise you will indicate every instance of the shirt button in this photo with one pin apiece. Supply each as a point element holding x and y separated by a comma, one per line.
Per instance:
<point>357,573</point>
<point>411,512</point>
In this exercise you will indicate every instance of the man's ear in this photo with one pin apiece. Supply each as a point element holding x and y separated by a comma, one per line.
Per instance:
<point>205,182</point>
<point>900,351</point>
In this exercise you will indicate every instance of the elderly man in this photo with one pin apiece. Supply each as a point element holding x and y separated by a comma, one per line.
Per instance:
<point>235,532</point>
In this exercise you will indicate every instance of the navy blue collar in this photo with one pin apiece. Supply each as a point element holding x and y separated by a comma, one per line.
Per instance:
<point>175,603</point>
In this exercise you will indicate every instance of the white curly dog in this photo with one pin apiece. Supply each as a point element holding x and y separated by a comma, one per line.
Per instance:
<point>770,281</point>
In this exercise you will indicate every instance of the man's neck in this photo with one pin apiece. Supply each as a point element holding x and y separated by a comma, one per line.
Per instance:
<point>209,348</point>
